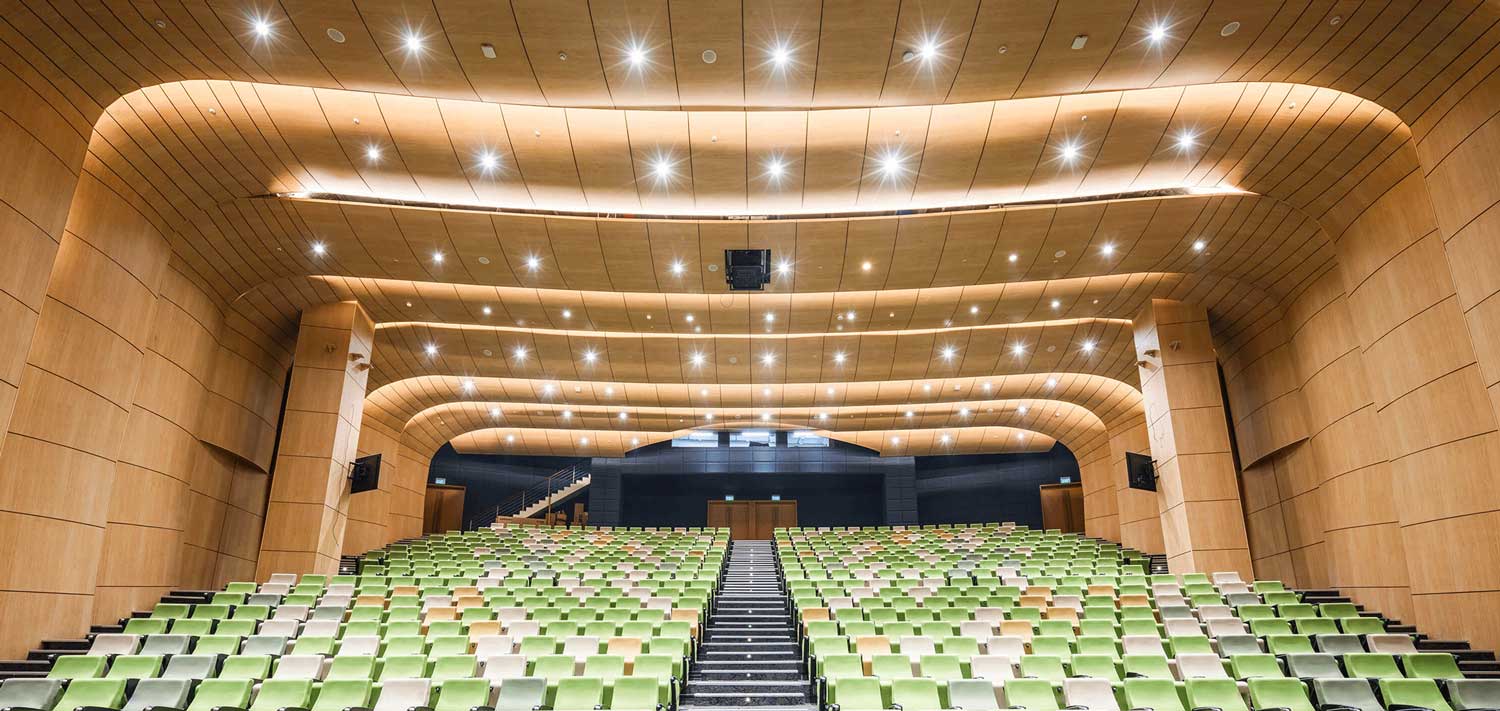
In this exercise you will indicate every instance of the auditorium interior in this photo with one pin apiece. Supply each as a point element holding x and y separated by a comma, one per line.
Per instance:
<point>787,355</point>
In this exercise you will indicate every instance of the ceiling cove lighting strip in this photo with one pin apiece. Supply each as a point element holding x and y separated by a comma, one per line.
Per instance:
<point>376,201</point>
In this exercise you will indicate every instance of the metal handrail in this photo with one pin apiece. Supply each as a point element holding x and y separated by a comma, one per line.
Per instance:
<point>546,489</point>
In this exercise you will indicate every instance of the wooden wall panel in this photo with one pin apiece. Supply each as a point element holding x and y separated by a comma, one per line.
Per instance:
<point>1202,521</point>
<point>370,513</point>
<point>309,503</point>
<point>1100,505</point>
<point>65,435</point>
<point>1139,511</point>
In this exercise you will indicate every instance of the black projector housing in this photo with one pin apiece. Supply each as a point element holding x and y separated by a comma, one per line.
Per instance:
<point>747,269</point>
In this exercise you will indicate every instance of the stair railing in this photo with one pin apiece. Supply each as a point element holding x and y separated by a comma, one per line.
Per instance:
<point>546,489</point>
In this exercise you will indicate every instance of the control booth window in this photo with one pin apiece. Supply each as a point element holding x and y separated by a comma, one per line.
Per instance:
<point>805,439</point>
<point>752,438</point>
<point>697,439</point>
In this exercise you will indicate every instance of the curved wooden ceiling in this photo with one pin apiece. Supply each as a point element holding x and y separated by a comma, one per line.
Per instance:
<point>211,118</point>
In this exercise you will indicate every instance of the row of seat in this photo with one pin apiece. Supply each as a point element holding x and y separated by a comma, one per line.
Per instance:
<point>941,637</point>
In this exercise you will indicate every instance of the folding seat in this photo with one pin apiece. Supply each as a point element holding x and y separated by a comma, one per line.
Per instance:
<point>1220,626</point>
<point>294,613</point>
<point>856,694</point>
<point>406,666</point>
<point>1031,694</point>
<point>521,694</point>
<point>942,667</point>
<point>1371,666</point>
<point>74,666</point>
<point>1179,627</point>
<point>916,695</point>
<point>1339,644</point>
<point>1056,628</point>
<point>213,694</point>
<point>191,666</point>
<point>1269,627</point>
<point>1221,694</point>
<point>1232,644</point>
<point>112,644</point>
<point>1422,693</point>
<point>1051,646</point>
<point>142,626</point>
<point>914,647</point>
<point>1431,665</point>
<point>278,694</point>
<point>1041,666</point>
<point>1024,629</point>
<point>1250,666</point>
<point>1362,625</point>
<point>190,628</point>
<point>1095,666</point>
<point>1200,666</point>
<point>1148,666</point>
<point>133,666</point>
<point>574,694</point>
<point>1156,694</point>
<point>553,666</point>
<point>1313,626</point>
<point>463,695</point>
<point>1391,643</point>
<point>1104,646</point>
<point>346,667</point>
<point>458,666</point>
<point>447,646</point>
<point>995,668</point>
<point>264,645</point>
<point>1289,644</point>
<point>972,695</point>
<point>1142,644</point>
<point>1313,666</point>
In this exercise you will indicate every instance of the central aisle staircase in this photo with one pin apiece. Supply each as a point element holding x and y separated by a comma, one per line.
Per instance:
<point>750,654</point>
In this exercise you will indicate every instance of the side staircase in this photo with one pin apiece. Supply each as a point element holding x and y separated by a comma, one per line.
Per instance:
<point>749,656</point>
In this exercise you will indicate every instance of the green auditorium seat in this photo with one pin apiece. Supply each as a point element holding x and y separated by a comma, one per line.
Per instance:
<point>578,694</point>
<point>635,694</point>
<point>1221,694</point>
<point>78,666</point>
<point>1420,693</point>
<point>1031,694</point>
<point>1431,666</point>
<point>1289,694</point>
<point>214,694</point>
<point>278,694</point>
<point>521,694</point>
<point>1349,693</point>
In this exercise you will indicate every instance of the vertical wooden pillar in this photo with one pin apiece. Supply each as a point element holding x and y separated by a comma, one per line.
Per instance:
<point>1138,512</point>
<point>309,502</point>
<point>1202,522</point>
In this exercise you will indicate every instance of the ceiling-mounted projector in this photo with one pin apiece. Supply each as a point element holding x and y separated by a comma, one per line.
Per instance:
<point>747,269</point>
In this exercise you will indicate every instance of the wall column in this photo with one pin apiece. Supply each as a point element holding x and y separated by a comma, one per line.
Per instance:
<point>1138,512</point>
<point>1202,521</point>
<point>309,502</point>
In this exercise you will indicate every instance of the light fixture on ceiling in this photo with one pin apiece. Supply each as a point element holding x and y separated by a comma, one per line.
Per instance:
<point>335,34</point>
<point>890,165</point>
<point>533,262</point>
<point>783,268</point>
<point>848,315</point>
<point>1022,409</point>
<point>926,387</point>
<point>678,268</point>
<point>510,438</point>
<point>688,318</point>
<point>624,417</point>
<point>974,309</point>
<point>781,55</point>
<point>1107,248</point>
<point>838,357</point>
<point>567,313</point>
<point>635,441</point>
<point>1229,29</point>
<point>770,317</point>
<point>943,438</point>
<point>495,412</point>
<point>822,415</point>
<point>765,417</point>
<point>928,50</point>
<point>1087,347</point>
<point>1018,349</point>
<point>1199,246</point>
<point>488,50</point>
<point>583,441</point>
<point>1186,140</point>
<point>1157,32</point>
<point>1069,150</point>
<point>709,417</point>
<point>1013,257</point>
<point>414,42</point>
<point>430,349</point>
<point>1080,41</point>
<point>829,391</point>
<point>866,266</point>
<point>698,359</point>
<point>636,53</point>
<point>1051,382</point>
<point>487,311</point>
<point>895,440</point>
<point>709,56</point>
<point>775,168</point>
<point>567,414</point>
<point>963,412</point>
<point>319,248</point>
<point>661,168</point>
<point>768,359</point>
<point>372,153</point>
<point>488,161</point>
<point>910,414</point>
<point>703,392</point>
<point>948,352</point>
<point>766,392</point>
<point>437,257</point>
<point>468,385</point>
<point>262,27</point>
<point>1056,304</point>
<point>590,356</point>
<point>519,352</point>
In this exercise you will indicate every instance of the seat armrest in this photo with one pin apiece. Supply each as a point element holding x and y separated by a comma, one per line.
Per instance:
<point>1336,707</point>
<point>293,708</point>
<point>228,708</point>
<point>1274,708</point>
<point>1406,707</point>
<point>1207,708</point>
<point>481,708</point>
<point>420,708</point>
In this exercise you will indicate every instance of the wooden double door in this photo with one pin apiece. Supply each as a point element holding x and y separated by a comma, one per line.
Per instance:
<point>752,520</point>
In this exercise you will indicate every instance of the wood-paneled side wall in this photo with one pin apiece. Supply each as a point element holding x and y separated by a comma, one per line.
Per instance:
<point>44,154</point>
<point>1453,554</point>
<point>226,514</point>
<point>309,503</point>
<point>1101,509</point>
<point>1139,511</point>
<point>369,524</point>
<point>1202,520</point>
<point>1283,521</point>
<point>77,388</point>
<point>410,492</point>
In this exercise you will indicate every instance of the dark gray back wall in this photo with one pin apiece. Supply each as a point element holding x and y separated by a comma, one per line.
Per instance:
<point>980,488</point>
<point>490,479</point>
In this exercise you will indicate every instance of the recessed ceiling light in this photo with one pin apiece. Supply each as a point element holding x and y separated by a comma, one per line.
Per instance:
<point>1069,150</point>
<point>838,357</point>
<point>765,392</point>
<point>781,55</point>
<point>710,56</point>
<point>262,27</point>
<point>567,313</point>
<point>1107,249</point>
<point>895,440</point>
<point>414,42</point>
<point>1157,32</point>
<point>583,441</point>
<point>494,412</point>
<point>688,318</point>
<point>973,309</point>
<point>488,161</point>
<point>709,417</point>
<point>890,165</point>
<point>624,416</point>
<point>770,317</point>
<point>1335,20</point>
<point>372,153</point>
<point>1199,246</point>
<point>698,359</point>
<point>822,415</point>
<point>519,352</point>
<point>335,35</point>
<point>1051,382</point>
<point>661,168</point>
<point>783,267</point>
<point>468,385</point>
<point>775,168</point>
<point>1080,41</point>
<point>1185,140</point>
<point>1013,257</point>
<point>510,438</point>
<point>1018,349</point>
<point>634,441</point>
<point>909,413</point>
<point>829,391</point>
<point>765,417</point>
<point>866,266</point>
<point>949,352</point>
<point>963,412</point>
<point>567,414</point>
<point>437,257</point>
<point>926,387</point>
<point>943,439</point>
<point>636,54</point>
<point>1056,304</point>
<point>1088,346</point>
<point>768,359</point>
<point>431,349</point>
<point>699,329</point>
<point>533,263</point>
<point>487,311</point>
<point>678,268</point>
<point>1022,409</point>
<point>319,248</point>
<point>590,356</point>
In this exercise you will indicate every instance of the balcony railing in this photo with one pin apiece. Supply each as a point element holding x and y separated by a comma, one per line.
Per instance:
<point>544,490</point>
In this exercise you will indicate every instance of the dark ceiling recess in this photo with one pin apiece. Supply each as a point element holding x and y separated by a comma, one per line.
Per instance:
<point>747,269</point>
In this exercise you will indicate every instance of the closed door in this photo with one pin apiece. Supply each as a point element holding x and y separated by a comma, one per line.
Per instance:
<point>752,520</point>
